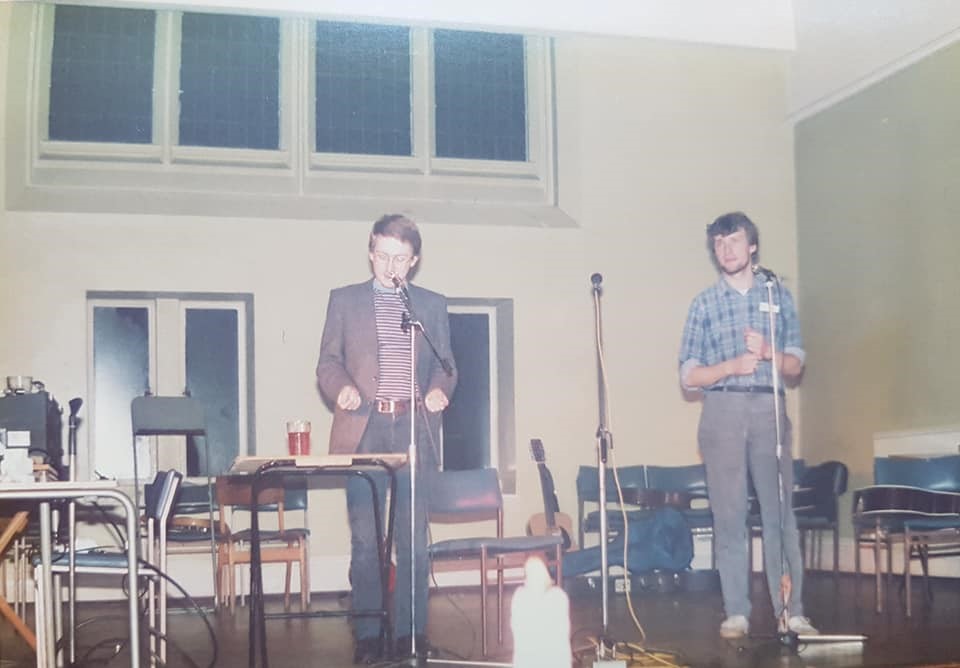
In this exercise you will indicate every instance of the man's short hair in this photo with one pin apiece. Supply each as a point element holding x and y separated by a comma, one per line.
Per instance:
<point>729,223</point>
<point>399,227</point>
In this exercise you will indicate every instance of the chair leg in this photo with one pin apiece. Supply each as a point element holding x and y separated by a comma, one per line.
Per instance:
<point>907,551</point>
<point>286,585</point>
<point>500,601</point>
<point>304,574</point>
<point>877,570</point>
<point>836,551</point>
<point>483,601</point>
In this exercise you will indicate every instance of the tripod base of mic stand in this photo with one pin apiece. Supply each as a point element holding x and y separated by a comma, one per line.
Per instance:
<point>791,642</point>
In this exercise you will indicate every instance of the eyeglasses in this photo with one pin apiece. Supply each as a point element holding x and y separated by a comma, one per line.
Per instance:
<point>398,260</point>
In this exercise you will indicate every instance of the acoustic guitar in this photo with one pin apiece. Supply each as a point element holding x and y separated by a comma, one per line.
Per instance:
<point>551,522</point>
<point>905,500</point>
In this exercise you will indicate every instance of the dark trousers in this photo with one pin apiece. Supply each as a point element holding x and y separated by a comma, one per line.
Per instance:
<point>388,433</point>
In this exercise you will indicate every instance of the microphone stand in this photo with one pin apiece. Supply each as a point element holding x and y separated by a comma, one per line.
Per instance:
<point>785,637</point>
<point>411,323</point>
<point>604,445</point>
<point>72,423</point>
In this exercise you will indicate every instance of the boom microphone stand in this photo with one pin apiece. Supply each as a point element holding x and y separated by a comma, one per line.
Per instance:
<point>786,637</point>
<point>411,324</point>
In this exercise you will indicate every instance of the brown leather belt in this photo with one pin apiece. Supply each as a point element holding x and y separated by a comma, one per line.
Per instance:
<point>391,406</point>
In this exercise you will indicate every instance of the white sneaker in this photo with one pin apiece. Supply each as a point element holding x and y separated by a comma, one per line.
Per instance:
<point>802,626</point>
<point>734,626</point>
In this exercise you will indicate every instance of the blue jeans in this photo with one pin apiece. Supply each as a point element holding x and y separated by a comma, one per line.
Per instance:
<point>386,433</point>
<point>738,432</point>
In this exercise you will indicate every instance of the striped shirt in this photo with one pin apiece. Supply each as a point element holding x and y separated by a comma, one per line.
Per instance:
<point>715,326</point>
<point>393,345</point>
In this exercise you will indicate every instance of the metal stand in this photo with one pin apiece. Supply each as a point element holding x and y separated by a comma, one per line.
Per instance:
<point>786,638</point>
<point>72,424</point>
<point>411,324</point>
<point>604,445</point>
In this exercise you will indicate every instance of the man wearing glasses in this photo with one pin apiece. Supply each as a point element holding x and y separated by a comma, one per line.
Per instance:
<point>364,371</point>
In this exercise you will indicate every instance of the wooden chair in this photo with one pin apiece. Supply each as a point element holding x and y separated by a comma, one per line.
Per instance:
<point>280,545</point>
<point>10,528</point>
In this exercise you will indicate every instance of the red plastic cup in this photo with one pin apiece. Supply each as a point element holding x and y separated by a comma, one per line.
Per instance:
<point>298,437</point>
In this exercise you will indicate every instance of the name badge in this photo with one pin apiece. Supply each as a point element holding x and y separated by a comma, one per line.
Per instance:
<point>765,307</point>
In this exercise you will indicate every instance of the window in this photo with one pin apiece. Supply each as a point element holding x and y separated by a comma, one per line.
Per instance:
<point>362,88</point>
<point>481,95</point>
<point>479,425</point>
<point>168,344</point>
<point>292,112</point>
<point>101,77</point>
<point>229,81</point>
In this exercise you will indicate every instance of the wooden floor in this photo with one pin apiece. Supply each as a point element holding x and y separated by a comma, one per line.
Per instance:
<point>682,625</point>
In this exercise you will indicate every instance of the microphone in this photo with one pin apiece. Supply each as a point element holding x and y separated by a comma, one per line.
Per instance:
<point>596,279</point>
<point>766,273</point>
<point>401,287</point>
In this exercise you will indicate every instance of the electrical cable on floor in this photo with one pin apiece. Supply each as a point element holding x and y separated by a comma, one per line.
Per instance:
<point>120,643</point>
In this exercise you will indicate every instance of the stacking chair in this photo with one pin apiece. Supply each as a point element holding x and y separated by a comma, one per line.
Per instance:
<point>815,504</point>
<point>916,501</point>
<point>755,522</point>
<point>190,532</point>
<point>475,496</point>
<point>281,545</point>
<point>691,482</point>
<point>158,497</point>
<point>588,492</point>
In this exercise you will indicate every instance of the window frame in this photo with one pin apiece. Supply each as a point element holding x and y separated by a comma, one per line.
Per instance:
<point>167,351</point>
<point>503,442</point>
<point>163,177</point>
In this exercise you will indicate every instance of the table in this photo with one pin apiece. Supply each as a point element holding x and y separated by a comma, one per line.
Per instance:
<point>258,468</point>
<point>44,493</point>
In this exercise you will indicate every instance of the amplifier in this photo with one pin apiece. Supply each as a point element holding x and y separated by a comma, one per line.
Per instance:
<point>33,421</point>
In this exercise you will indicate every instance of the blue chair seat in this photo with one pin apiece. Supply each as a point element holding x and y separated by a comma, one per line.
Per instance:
<point>469,548</point>
<point>88,559</point>
<point>932,523</point>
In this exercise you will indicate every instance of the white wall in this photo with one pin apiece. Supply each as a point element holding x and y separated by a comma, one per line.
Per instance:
<point>843,47</point>
<point>656,140</point>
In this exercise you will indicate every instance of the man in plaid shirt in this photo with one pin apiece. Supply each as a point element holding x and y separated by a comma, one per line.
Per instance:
<point>727,352</point>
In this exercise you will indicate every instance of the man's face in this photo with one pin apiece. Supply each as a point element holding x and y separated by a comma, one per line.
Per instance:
<point>391,257</point>
<point>733,252</point>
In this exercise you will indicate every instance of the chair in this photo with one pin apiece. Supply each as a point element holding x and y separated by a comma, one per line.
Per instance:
<point>905,514</point>
<point>691,480</point>
<point>10,528</point>
<point>588,491</point>
<point>754,520</point>
<point>815,504</point>
<point>158,499</point>
<point>475,496</point>
<point>181,416</point>
<point>281,545</point>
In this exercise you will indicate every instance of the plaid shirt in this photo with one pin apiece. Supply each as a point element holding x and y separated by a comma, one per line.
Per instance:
<point>716,322</point>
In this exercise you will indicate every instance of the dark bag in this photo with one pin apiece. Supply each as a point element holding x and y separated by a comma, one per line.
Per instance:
<point>659,540</point>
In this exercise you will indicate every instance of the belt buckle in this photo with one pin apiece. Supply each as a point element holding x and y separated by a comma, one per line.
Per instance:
<point>387,406</point>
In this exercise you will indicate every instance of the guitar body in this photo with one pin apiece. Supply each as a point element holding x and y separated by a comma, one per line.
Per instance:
<point>539,525</point>
<point>886,499</point>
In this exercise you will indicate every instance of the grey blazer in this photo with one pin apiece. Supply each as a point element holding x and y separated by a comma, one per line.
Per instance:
<point>348,356</point>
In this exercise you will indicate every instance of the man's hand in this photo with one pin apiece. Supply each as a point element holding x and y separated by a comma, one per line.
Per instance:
<point>744,365</point>
<point>436,400</point>
<point>349,398</point>
<point>756,343</point>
